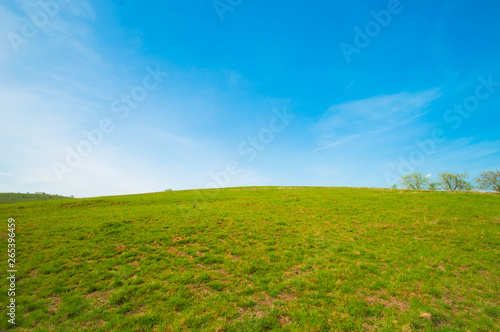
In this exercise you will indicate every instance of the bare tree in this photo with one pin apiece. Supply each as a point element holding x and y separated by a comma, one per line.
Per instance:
<point>415,181</point>
<point>489,180</point>
<point>454,181</point>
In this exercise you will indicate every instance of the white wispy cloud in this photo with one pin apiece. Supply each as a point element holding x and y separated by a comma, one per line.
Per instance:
<point>165,137</point>
<point>67,26</point>
<point>467,148</point>
<point>335,143</point>
<point>351,120</point>
<point>6,174</point>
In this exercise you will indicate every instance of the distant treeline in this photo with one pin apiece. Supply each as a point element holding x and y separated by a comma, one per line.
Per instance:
<point>486,181</point>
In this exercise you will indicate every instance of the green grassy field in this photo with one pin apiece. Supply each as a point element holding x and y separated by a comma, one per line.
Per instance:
<point>22,197</point>
<point>257,259</point>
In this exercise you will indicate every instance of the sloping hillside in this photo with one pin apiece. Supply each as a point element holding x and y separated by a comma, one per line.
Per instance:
<point>255,259</point>
<point>23,197</point>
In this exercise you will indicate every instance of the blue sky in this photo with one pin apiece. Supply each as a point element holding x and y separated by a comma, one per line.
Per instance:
<point>193,94</point>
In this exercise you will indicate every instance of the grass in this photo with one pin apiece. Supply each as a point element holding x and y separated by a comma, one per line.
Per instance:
<point>258,259</point>
<point>21,197</point>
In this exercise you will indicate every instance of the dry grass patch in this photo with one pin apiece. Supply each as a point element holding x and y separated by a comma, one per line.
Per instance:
<point>99,299</point>
<point>55,302</point>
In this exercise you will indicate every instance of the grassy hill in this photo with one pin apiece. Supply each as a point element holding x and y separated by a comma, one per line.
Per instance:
<point>256,259</point>
<point>22,197</point>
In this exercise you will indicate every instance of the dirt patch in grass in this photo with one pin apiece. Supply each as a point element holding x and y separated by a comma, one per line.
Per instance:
<point>33,273</point>
<point>484,273</point>
<point>369,327</point>
<point>183,254</point>
<point>203,291</point>
<point>72,263</point>
<point>55,302</point>
<point>287,297</point>
<point>260,314</point>
<point>284,320</point>
<point>445,299</point>
<point>221,271</point>
<point>139,311</point>
<point>264,300</point>
<point>385,299</point>
<point>251,313</point>
<point>177,239</point>
<point>100,323</point>
<point>99,299</point>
